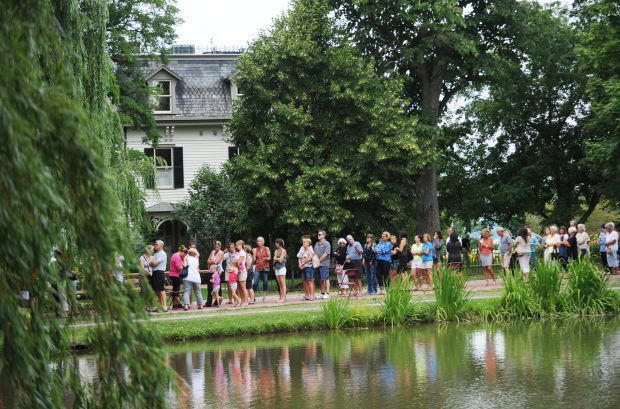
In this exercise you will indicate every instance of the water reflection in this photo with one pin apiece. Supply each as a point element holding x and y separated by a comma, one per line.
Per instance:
<point>542,364</point>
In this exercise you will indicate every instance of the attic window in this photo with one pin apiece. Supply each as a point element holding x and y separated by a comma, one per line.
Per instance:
<point>164,99</point>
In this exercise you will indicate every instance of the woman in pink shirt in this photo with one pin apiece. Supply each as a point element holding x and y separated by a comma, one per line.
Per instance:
<point>176,265</point>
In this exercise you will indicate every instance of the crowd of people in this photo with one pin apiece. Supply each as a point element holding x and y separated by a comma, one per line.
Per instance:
<point>244,268</point>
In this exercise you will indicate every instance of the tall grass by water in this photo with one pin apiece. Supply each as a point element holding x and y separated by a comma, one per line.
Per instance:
<point>546,285</point>
<point>397,305</point>
<point>450,295</point>
<point>518,300</point>
<point>587,291</point>
<point>336,312</point>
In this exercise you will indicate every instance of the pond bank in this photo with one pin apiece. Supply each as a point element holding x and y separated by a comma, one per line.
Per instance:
<point>304,317</point>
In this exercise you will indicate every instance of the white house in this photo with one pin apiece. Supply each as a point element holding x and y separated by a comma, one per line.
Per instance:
<point>194,105</point>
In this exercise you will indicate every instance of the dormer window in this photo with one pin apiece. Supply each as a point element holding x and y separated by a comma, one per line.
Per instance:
<point>165,81</point>
<point>164,99</point>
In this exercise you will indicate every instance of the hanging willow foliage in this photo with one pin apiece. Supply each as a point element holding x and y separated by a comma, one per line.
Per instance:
<point>60,160</point>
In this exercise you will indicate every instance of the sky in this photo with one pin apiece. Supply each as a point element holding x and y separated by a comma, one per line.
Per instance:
<point>225,23</point>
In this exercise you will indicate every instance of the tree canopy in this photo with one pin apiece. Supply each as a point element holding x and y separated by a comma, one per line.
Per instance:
<point>526,144</point>
<point>324,141</point>
<point>439,49</point>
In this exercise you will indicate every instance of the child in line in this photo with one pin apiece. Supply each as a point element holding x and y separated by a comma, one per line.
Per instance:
<point>233,271</point>
<point>215,279</point>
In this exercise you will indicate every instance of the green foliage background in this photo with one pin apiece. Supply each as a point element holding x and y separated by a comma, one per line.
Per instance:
<point>324,140</point>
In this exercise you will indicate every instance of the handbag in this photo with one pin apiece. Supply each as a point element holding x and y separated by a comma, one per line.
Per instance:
<point>184,272</point>
<point>315,261</point>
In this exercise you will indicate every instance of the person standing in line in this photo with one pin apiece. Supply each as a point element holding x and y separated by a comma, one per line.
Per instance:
<point>304,257</point>
<point>611,243</point>
<point>279,265</point>
<point>438,245</point>
<point>403,254</point>
<point>192,281</point>
<point>427,259</point>
<point>395,257</point>
<point>454,248</point>
<point>466,242</point>
<point>572,249</point>
<point>354,256</point>
<point>451,230</point>
<point>552,242</point>
<point>603,248</point>
<point>176,265</point>
<point>416,263</point>
<point>323,250</point>
<point>486,254</point>
<point>216,257</point>
<point>369,261</point>
<point>159,262</point>
<point>563,251</point>
<point>505,249</point>
<point>384,259</point>
<point>243,273</point>
<point>523,248</point>
<point>215,285</point>
<point>534,243</point>
<point>233,272</point>
<point>230,255</point>
<point>583,240</point>
<point>262,256</point>
<point>340,254</point>
<point>249,267</point>
<point>146,271</point>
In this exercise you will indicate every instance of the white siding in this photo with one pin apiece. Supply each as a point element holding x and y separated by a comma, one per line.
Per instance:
<point>197,150</point>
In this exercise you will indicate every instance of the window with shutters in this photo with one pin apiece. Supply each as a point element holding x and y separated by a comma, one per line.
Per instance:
<point>169,164</point>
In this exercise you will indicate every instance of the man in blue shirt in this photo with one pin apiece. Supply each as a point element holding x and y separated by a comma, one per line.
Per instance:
<point>354,260</point>
<point>603,250</point>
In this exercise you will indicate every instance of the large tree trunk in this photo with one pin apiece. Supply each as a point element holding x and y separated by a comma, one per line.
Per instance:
<point>427,207</point>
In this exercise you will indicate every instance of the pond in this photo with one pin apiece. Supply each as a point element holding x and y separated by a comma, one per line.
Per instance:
<point>549,364</point>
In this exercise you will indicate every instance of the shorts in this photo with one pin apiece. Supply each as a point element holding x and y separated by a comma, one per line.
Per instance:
<point>427,265</point>
<point>394,265</point>
<point>307,274</point>
<point>216,289</point>
<point>612,259</point>
<point>417,264</point>
<point>158,279</point>
<point>249,279</point>
<point>176,283</point>
<point>243,275</point>
<point>232,286</point>
<point>324,273</point>
<point>506,260</point>
<point>402,265</point>
<point>281,271</point>
<point>486,260</point>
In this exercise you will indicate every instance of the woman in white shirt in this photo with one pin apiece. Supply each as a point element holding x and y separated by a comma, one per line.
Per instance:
<point>524,251</point>
<point>192,280</point>
<point>583,240</point>
<point>552,242</point>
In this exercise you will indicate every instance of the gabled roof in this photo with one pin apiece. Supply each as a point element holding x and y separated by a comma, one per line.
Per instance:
<point>163,68</point>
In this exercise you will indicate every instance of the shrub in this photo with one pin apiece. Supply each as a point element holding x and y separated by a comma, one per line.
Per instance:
<point>518,300</point>
<point>450,295</point>
<point>587,291</point>
<point>397,306</point>
<point>336,312</point>
<point>546,283</point>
